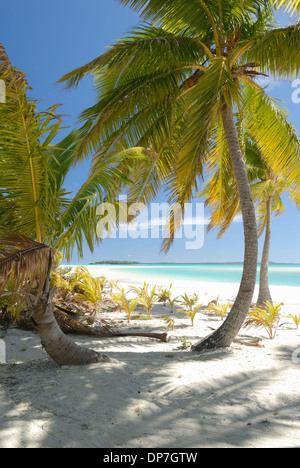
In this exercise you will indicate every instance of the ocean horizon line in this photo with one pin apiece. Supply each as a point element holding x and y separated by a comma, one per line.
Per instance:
<point>116,263</point>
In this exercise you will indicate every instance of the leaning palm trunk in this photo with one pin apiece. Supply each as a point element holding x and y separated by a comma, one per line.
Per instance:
<point>58,346</point>
<point>264,294</point>
<point>26,262</point>
<point>225,335</point>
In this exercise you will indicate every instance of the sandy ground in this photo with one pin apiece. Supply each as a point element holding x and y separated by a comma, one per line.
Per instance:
<point>159,395</point>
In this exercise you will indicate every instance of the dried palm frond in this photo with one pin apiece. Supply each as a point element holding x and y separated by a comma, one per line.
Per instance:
<point>24,262</point>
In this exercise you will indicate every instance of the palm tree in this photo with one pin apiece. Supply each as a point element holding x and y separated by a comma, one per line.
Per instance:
<point>36,213</point>
<point>26,261</point>
<point>173,87</point>
<point>33,172</point>
<point>221,196</point>
<point>268,192</point>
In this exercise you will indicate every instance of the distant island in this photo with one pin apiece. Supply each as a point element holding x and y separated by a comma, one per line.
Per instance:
<point>114,262</point>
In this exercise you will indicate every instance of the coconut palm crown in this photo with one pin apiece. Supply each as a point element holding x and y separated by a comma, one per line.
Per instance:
<point>183,85</point>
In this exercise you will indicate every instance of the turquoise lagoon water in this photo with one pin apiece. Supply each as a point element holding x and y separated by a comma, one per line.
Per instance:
<point>279,274</point>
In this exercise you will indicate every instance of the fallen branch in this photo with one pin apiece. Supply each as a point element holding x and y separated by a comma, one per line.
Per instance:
<point>158,336</point>
<point>245,343</point>
<point>248,343</point>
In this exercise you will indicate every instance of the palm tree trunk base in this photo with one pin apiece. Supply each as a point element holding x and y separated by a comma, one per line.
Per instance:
<point>57,345</point>
<point>214,341</point>
<point>225,335</point>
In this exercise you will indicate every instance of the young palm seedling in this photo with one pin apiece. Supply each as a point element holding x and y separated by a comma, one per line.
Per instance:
<point>191,312</point>
<point>219,309</point>
<point>170,321</point>
<point>86,286</point>
<point>141,291</point>
<point>295,318</point>
<point>190,306</point>
<point>266,317</point>
<point>148,300</point>
<point>212,303</point>
<point>172,302</point>
<point>189,301</point>
<point>163,296</point>
<point>129,306</point>
<point>119,296</point>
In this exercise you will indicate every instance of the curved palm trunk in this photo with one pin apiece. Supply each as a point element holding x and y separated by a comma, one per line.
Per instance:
<point>59,347</point>
<point>264,294</point>
<point>225,335</point>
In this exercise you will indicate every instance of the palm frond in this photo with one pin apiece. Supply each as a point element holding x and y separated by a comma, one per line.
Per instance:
<point>290,6</point>
<point>277,51</point>
<point>197,17</point>
<point>275,137</point>
<point>167,50</point>
<point>24,154</point>
<point>23,261</point>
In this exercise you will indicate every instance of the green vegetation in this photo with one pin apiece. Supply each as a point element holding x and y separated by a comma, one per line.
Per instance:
<point>267,188</point>
<point>148,299</point>
<point>266,317</point>
<point>219,309</point>
<point>166,296</point>
<point>192,105</point>
<point>190,306</point>
<point>196,108</point>
<point>295,318</point>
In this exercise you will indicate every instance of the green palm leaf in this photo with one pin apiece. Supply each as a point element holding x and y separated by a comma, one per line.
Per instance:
<point>276,51</point>
<point>290,6</point>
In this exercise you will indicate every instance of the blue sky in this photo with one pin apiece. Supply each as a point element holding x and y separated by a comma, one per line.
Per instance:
<point>49,39</point>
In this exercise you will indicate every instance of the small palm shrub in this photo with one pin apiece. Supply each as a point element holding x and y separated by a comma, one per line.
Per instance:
<point>90,289</point>
<point>172,302</point>
<point>128,305</point>
<point>80,287</point>
<point>212,303</point>
<point>165,296</point>
<point>170,321</point>
<point>295,318</point>
<point>219,309</point>
<point>119,296</point>
<point>190,306</point>
<point>191,313</point>
<point>140,291</point>
<point>189,301</point>
<point>148,299</point>
<point>266,316</point>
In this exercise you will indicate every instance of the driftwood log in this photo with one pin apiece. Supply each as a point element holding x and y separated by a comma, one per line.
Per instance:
<point>70,325</point>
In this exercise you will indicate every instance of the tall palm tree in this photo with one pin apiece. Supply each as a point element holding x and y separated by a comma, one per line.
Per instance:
<point>173,87</point>
<point>37,215</point>
<point>221,196</point>
<point>33,200</point>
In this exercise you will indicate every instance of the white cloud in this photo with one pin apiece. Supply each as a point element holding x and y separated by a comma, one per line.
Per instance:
<point>160,222</point>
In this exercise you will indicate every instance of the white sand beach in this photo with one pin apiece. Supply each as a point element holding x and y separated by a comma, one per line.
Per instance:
<point>158,395</point>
